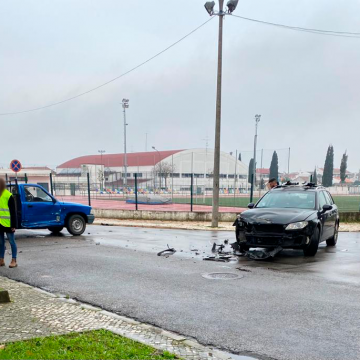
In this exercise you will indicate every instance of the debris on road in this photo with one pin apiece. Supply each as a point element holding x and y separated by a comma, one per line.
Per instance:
<point>225,258</point>
<point>169,251</point>
<point>263,254</point>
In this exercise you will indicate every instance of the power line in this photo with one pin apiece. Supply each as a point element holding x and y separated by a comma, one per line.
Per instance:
<point>297,28</point>
<point>112,80</point>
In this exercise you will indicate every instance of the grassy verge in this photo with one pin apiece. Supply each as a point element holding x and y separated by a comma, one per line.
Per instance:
<point>99,344</point>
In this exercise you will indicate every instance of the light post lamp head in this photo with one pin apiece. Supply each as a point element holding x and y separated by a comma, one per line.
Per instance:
<point>257,118</point>
<point>209,6</point>
<point>125,103</point>
<point>231,5</point>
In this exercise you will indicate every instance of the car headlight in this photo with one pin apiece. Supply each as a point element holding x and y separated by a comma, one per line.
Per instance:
<point>297,226</point>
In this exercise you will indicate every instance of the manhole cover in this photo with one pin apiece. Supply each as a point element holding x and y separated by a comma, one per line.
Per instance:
<point>222,276</point>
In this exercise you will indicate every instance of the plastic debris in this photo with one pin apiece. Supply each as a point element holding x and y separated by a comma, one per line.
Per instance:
<point>263,254</point>
<point>169,251</point>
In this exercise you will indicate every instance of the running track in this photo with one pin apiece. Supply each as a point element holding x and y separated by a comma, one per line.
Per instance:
<point>122,205</point>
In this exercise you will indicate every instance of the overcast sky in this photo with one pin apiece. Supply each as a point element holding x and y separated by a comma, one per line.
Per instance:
<point>305,86</point>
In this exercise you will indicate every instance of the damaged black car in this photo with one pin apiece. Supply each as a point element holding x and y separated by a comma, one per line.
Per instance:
<point>290,217</point>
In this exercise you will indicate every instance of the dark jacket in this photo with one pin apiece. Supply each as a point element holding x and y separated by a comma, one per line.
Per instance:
<point>12,209</point>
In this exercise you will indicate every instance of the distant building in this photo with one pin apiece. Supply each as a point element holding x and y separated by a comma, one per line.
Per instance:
<point>157,169</point>
<point>34,175</point>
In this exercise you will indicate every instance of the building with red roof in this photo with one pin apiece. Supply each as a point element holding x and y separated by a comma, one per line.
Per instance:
<point>171,167</point>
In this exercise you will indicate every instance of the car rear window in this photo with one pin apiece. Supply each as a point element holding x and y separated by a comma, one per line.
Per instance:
<point>288,199</point>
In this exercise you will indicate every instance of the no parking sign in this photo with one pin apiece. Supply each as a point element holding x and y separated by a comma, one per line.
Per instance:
<point>15,166</point>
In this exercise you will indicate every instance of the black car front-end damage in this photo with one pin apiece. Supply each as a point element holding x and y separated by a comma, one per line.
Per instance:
<point>270,235</point>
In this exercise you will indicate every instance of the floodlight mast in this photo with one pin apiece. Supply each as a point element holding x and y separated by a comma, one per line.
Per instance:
<point>209,6</point>
<point>125,105</point>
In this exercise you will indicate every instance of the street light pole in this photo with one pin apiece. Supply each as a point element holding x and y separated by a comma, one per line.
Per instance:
<point>209,6</point>
<point>125,105</point>
<point>257,120</point>
<point>216,179</point>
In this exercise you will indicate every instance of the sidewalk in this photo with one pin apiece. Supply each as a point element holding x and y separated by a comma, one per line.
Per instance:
<point>35,313</point>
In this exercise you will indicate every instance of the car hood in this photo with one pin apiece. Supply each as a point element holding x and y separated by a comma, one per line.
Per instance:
<point>276,216</point>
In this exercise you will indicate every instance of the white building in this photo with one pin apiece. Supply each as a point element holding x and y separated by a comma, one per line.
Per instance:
<point>158,169</point>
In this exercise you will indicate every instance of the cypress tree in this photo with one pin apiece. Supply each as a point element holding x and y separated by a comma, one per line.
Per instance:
<point>251,170</point>
<point>343,167</point>
<point>315,181</point>
<point>329,167</point>
<point>274,166</point>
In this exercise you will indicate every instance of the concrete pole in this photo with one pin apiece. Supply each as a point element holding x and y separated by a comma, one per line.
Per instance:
<point>216,180</point>
<point>253,178</point>
<point>125,152</point>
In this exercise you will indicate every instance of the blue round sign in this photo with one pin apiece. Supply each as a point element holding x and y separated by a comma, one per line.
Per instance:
<point>15,166</point>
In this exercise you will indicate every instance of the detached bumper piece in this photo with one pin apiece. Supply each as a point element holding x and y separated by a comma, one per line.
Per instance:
<point>263,254</point>
<point>91,218</point>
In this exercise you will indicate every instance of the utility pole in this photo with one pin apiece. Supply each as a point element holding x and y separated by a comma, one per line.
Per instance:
<point>216,179</point>
<point>209,6</point>
<point>253,178</point>
<point>261,170</point>
<point>125,105</point>
<point>289,163</point>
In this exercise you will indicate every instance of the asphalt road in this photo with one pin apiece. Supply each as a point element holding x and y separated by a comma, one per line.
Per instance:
<point>289,308</point>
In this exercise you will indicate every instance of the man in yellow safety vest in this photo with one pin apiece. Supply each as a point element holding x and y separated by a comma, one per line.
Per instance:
<point>7,223</point>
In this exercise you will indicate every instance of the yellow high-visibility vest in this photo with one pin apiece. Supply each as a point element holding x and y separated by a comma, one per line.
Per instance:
<point>4,209</point>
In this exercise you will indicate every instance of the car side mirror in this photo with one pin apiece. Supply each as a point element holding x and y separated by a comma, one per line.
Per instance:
<point>251,205</point>
<point>327,207</point>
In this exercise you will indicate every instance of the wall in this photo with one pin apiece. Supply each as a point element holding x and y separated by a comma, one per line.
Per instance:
<point>160,215</point>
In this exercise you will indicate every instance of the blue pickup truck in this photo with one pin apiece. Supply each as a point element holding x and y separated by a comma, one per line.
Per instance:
<point>37,209</point>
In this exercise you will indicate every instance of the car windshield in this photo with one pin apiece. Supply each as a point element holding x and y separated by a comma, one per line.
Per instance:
<point>288,199</point>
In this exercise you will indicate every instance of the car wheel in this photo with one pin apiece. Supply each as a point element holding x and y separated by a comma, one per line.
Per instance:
<point>55,229</point>
<point>333,240</point>
<point>76,225</point>
<point>312,248</point>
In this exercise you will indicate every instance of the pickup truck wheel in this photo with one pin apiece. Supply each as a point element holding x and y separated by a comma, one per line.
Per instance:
<point>312,248</point>
<point>55,229</point>
<point>76,225</point>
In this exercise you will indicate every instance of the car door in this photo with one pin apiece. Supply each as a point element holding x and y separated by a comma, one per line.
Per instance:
<point>325,217</point>
<point>39,208</point>
<point>333,213</point>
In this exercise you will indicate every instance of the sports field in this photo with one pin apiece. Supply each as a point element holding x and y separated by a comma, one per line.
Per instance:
<point>344,202</point>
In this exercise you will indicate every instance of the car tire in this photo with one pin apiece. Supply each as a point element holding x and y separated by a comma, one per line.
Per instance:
<point>312,248</point>
<point>333,240</point>
<point>55,229</point>
<point>76,225</point>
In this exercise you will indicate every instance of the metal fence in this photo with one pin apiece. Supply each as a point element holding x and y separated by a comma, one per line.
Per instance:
<point>190,194</point>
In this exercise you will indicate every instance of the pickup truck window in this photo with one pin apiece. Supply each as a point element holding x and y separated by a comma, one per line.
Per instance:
<point>36,194</point>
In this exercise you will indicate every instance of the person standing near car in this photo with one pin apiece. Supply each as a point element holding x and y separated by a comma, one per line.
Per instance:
<point>7,224</point>
<point>272,183</point>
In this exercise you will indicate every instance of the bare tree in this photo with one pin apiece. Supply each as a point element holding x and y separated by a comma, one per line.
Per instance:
<point>101,178</point>
<point>163,170</point>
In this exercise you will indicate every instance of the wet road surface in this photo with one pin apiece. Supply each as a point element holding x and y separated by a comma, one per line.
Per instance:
<point>288,308</point>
